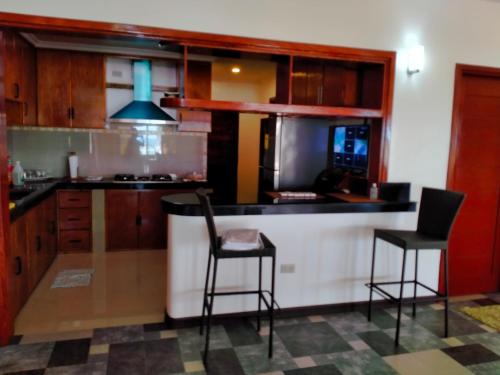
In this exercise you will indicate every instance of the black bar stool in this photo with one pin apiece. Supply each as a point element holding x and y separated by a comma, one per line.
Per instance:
<point>216,251</point>
<point>438,210</point>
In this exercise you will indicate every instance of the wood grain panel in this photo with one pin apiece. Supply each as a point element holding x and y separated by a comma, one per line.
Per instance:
<point>74,218</point>
<point>75,241</point>
<point>121,219</point>
<point>28,83</point>
<point>88,91</point>
<point>473,168</point>
<point>152,231</point>
<point>74,199</point>
<point>54,73</point>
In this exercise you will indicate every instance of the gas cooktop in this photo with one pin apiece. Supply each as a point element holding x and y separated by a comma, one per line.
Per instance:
<point>153,178</point>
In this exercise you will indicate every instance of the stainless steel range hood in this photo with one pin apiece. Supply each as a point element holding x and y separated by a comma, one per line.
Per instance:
<point>142,110</point>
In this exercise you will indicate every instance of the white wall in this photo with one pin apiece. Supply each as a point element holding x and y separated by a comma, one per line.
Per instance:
<point>452,31</point>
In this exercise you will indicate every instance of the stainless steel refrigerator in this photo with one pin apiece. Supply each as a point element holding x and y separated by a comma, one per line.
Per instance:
<point>293,151</point>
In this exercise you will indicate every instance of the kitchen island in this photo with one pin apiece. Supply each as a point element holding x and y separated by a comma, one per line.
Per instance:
<point>323,252</point>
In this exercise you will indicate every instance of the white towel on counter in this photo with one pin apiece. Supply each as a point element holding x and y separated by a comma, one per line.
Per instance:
<point>241,239</point>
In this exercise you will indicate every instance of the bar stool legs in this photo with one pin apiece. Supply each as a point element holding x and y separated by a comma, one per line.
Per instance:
<point>446,292</point>
<point>259,297</point>
<point>400,302</point>
<point>374,248</point>
<point>208,302</point>
<point>271,310</point>
<point>210,309</point>
<point>414,307</point>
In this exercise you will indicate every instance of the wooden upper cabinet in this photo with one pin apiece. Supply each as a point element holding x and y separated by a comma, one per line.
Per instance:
<point>88,90</point>
<point>20,80</point>
<point>54,72</point>
<point>199,82</point>
<point>12,72</point>
<point>71,89</point>
<point>335,83</point>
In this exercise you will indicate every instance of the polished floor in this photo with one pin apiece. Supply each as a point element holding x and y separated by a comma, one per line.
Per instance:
<point>126,288</point>
<point>339,343</point>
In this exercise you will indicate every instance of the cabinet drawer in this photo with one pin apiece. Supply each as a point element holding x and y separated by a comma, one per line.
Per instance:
<point>74,241</point>
<point>74,199</point>
<point>74,218</point>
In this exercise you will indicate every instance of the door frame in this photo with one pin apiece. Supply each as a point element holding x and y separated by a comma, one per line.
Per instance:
<point>461,70</point>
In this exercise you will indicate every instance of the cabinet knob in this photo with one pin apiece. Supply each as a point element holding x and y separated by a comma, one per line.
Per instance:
<point>38,243</point>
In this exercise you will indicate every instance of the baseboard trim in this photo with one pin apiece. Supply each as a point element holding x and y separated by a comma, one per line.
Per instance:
<point>289,312</point>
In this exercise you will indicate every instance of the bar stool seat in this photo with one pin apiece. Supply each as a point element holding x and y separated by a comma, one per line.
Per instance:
<point>411,239</point>
<point>267,250</point>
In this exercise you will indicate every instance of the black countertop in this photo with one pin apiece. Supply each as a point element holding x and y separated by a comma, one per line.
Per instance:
<point>395,200</point>
<point>37,192</point>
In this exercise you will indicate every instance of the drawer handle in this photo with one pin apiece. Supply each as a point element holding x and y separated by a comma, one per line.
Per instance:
<point>74,199</point>
<point>73,219</point>
<point>19,266</point>
<point>75,241</point>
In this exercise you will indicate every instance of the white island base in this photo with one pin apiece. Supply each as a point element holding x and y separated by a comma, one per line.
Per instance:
<point>329,254</point>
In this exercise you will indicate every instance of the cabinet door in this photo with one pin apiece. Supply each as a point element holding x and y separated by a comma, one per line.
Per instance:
<point>49,233</point>
<point>340,86</point>
<point>12,61</point>
<point>28,82</point>
<point>18,267</point>
<point>53,72</point>
<point>307,82</point>
<point>34,245</point>
<point>152,231</point>
<point>88,95</point>
<point>121,219</point>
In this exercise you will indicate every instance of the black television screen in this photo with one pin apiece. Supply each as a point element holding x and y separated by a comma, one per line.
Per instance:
<point>350,147</point>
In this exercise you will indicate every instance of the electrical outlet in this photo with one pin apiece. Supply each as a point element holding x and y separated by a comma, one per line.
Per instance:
<point>287,268</point>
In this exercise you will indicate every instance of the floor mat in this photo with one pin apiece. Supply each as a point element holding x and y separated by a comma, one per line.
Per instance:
<point>73,278</point>
<point>489,315</point>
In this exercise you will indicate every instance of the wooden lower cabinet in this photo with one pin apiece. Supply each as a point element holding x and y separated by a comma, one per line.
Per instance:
<point>18,286</point>
<point>74,221</point>
<point>32,249</point>
<point>135,219</point>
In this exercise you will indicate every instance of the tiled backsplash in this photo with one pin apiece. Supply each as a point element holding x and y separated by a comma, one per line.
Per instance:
<point>103,152</point>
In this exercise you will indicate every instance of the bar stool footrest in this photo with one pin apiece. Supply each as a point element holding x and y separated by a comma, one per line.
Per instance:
<point>376,287</point>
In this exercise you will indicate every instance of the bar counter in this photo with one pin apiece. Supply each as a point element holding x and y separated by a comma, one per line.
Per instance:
<point>323,251</point>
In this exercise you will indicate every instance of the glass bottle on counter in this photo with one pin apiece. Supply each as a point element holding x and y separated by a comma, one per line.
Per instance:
<point>18,174</point>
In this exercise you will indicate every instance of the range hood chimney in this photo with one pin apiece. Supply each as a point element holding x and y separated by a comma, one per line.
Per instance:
<point>142,110</point>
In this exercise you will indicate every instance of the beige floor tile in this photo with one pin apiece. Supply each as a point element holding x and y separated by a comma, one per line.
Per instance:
<point>264,331</point>
<point>194,366</point>
<point>467,298</point>
<point>488,328</point>
<point>437,306</point>
<point>426,362</point>
<point>359,345</point>
<point>58,336</point>
<point>316,318</point>
<point>168,334</point>
<point>127,288</point>
<point>304,362</point>
<point>453,341</point>
<point>99,349</point>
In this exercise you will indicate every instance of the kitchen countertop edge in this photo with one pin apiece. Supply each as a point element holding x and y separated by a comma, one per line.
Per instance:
<point>40,194</point>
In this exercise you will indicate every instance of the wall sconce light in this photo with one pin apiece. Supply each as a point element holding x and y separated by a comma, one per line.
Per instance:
<point>416,57</point>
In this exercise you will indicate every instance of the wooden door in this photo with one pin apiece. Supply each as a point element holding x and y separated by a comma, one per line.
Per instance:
<point>474,168</point>
<point>88,95</point>
<point>28,82</point>
<point>53,72</point>
<point>122,209</point>
<point>18,267</point>
<point>152,229</point>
